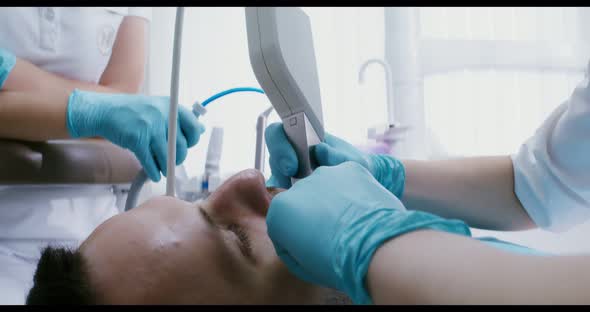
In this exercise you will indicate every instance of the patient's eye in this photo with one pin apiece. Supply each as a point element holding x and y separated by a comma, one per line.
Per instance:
<point>238,231</point>
<point>206,216</point>
<point>245,245</point>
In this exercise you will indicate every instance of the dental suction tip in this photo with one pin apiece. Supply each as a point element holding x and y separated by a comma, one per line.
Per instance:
<point>198,109</point>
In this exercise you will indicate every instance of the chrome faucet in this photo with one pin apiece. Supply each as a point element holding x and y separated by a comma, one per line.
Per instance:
<point>388,85</point>
<point>393,132</point>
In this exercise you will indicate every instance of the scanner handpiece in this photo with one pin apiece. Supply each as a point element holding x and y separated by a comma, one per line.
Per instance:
<point>282,56</point>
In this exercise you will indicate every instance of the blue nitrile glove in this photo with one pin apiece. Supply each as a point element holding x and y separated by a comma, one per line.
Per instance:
<point>327,227</point>
<point>387,170</point>
<point>136,122</point>
<point>7,61</point>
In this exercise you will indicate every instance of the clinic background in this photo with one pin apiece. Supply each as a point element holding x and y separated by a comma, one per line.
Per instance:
<point>466,112</point>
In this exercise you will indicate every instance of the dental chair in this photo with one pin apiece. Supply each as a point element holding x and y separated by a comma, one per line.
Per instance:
<point>51,183</point>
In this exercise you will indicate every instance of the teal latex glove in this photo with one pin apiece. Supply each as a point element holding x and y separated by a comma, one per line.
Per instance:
<point>327,227</point>
<point>387,170</point>
<point>7,62</point>
<point>136,122</point>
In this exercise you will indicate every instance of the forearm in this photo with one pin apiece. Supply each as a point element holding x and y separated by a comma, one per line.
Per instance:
<point>126,67</point>
<point>33,103</point>
<point>477,190</point>
<point>26,77</point>
<point>123,74</point>
<point>31,116</point>
<point>429,267</point>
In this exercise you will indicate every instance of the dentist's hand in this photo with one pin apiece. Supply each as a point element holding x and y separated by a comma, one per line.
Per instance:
<point>387,170</point>
<point>136,122</point>
<point>327,227</point>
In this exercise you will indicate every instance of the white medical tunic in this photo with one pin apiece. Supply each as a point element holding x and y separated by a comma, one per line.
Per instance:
<point>75,43</point>
<point>552,168</point>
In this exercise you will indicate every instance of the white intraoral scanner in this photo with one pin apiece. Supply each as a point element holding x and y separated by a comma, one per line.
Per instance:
<point>283,59</point>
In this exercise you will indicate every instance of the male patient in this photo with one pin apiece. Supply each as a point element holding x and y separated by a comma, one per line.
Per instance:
<point>168,251</point>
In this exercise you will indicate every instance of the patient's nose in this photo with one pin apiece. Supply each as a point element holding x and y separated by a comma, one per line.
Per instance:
<point>243,194</point>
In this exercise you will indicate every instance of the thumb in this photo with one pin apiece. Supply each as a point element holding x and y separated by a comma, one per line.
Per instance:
<point>326,155</point>
<point>279,181</point>
<point>282,155</point>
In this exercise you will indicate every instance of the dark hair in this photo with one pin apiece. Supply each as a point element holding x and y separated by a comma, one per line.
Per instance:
<point>61,278</point>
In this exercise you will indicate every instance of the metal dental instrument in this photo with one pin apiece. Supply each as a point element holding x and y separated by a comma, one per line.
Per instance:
<point>173,115</point>
<point>259,156</point>
<point>282,55</point>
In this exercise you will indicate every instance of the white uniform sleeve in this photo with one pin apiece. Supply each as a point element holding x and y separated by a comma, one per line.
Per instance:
<point>145,12</point>
<point>552,168</point>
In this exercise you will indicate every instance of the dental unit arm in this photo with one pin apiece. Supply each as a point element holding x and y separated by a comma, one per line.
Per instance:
<point>282,56</point>
<point>173,115</point>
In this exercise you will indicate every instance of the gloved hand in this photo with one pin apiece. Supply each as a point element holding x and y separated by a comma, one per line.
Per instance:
<point>327,227</point>
<point>7,61</point>
<point>136,122</point>
<point>387,170</point>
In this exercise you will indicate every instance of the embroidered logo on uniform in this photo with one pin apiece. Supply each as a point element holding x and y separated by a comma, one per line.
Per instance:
<point>106,38</point>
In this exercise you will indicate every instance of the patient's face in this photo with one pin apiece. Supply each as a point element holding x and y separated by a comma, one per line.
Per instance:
<point>172,251</point>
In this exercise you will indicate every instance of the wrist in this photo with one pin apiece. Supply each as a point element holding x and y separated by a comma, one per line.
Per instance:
<point>72,100</point>
<point>390,173</point>
<point>7,62</point>
<point>377,228</point>
<point>78,113</point>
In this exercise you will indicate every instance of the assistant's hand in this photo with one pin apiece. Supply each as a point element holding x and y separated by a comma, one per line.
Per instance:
<point>387,170</point>
<point>7,62</point>
<point>136,122</point>
<point>327,227</point>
